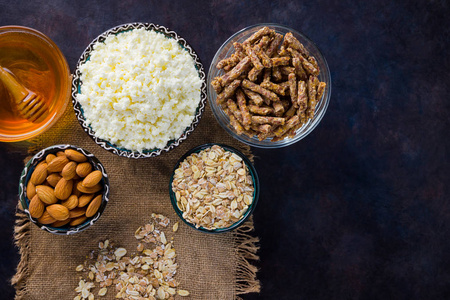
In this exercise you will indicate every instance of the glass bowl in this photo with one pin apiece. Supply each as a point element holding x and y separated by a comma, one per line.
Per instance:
<point>38,64</point>
<point>26,175</point>
<point>227,49</point>
<point>253,174</point>
<point>76,89</point>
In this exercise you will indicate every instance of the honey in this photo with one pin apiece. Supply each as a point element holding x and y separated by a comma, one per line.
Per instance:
<point>38,65</point>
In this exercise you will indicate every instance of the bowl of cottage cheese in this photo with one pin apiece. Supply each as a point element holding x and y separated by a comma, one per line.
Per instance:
<point>139,90</point>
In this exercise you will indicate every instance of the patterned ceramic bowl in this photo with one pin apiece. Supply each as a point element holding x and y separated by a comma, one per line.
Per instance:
<point>251,207</point>
<point>76,90</point>
<point>26,175</point>
<point>227,49</point>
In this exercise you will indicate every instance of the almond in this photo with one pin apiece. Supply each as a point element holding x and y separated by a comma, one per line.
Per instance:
<point>46,194</point>
<point>63,189</point>
<point>31,190</point>
<point>77,221</point>
<point>94,206</point>
<point>77,212</point>
<point>36,207</point>
<point>60,223</point>
<point>84,169</point>
<point>57,164</point>
<point>60,153</point>
<point>85,199</point>
<point>68,172</point>
<point>39,174</point>
<point>75,155</point>
<point>53,179</point>
<point>58,212</point>
<point>71,202</point>
<point>75,191</point>
<point>92,179</point>
<point>46,218</point>
<point>49,158</point>
<point>89,190</point>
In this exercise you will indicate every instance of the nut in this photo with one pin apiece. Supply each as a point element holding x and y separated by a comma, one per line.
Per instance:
<point>57,164</point>
<point>46,218</point>
<point>83,169</point>
<point>31,190</point>
<point>46,194</point>
<point>60,223</point>
<point>58,212</point>
<point>77,221</point>
<point>92,179</point>
<point>39,174</point>
<point>75,155</point>
<point>85,199</point>
<point>71,202</point>
<point>36,207</point>
<point>53,179</point>
<point>68,172</point>
<point>50,157</point>
<point>77,212</point>
<point>94,206</point>
<point>63,189</point>
<point>89,190</point>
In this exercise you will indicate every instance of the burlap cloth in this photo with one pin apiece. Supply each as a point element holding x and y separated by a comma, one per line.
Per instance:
<point>212,266</point>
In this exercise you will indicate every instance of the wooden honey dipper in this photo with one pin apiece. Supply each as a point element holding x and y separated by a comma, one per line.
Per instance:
<point>30,105</point>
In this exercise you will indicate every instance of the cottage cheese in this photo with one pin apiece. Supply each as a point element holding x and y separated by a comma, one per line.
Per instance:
<point>139,90</point>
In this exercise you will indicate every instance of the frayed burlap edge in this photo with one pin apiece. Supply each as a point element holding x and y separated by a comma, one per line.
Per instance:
<point>21,239</point>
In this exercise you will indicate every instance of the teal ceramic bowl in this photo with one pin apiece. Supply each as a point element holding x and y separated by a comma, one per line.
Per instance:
<point>25,177</point>
<point>251,207</point>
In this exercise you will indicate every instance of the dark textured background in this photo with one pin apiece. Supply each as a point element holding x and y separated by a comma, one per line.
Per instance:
<point>360,208</point>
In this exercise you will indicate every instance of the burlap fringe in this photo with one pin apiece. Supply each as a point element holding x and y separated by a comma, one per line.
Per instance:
<point>21,239</point>
<point>246,249</point>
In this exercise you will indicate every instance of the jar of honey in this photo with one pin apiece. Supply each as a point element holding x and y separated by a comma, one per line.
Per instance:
<point>38,64</point>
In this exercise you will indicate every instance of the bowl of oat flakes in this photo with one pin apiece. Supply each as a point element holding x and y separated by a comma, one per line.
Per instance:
<point>139,90</point>
<point>214,188</point>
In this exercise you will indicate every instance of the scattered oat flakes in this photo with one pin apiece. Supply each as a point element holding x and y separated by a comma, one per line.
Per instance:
<point>148,274</point>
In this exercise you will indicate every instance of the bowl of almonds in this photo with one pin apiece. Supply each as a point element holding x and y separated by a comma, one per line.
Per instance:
<point>64,189</point>
<point>269,86</point>
<point>214,188</point>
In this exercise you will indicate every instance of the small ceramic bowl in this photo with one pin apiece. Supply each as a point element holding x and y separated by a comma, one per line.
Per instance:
<point>76,90</point>
<point>25,177</point>
<point>251,207</point>
<point>227,49</point>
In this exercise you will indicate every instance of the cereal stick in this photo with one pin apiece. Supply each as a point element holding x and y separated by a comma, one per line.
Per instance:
<point>267,74</point>
<point>287,70</point>
<point>260,110</point>
<point>312,96</point>
<point>264,128</point>
<point>239,50</point>
<point>255,97</point>
<point>257,35</point>
<point>241,101</point>
<point>308,66</point>
<point>254,58</point>
<point>302,97</point>
<point>280,61</point>
<point>285,84</point>
<point>266,61</point>
<point>230,61</point>
<point>299,68</point>
<point>285,128</point>
<point>234,122</point>
<point>276,74</point>
<point>268,120</point>
<point>216,85</point>
<point>276,88</point>
<point>264,42</point>
<point>240,68</point>
<point>295,44</point>
<point>260,90</point>
<point>278,108</point>
<point>293,89</point>
<point>262,136</point>
<point>313,61</point>
<point>254,73</point>
<point>272,49</point>
<point>320,90</point>
<point>250,133</point>
<point>232,107</point>
<point>228,91</point>
<point>291,111</point>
